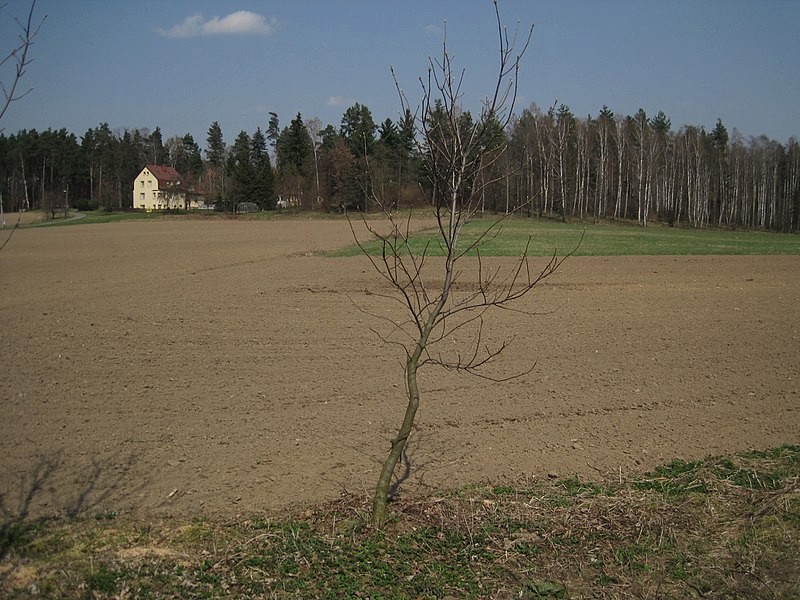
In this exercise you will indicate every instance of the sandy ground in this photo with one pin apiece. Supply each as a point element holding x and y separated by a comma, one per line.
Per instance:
<point>185,367</point>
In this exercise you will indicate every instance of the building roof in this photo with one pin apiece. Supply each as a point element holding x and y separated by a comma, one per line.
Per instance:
<point>164,173</point>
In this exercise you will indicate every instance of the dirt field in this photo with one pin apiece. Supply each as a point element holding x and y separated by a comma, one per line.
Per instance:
<point>180,367</point>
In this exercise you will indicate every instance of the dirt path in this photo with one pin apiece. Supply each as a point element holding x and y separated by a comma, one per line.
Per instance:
<point>183,367</point>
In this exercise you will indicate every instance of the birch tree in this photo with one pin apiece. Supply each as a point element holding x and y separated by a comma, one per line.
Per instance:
<point>584,147</point>
<point>605,121</point>
<point>618,133</point>
<point>641,136</point>
<point>314,127</point>
<point>544,133</point>
<point>565,122</point>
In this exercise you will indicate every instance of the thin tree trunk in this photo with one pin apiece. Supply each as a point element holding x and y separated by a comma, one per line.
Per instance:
<point>381,499</point>
<point>25,184</point>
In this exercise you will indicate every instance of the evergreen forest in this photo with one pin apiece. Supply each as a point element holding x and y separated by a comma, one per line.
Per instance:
<point>558,165</point>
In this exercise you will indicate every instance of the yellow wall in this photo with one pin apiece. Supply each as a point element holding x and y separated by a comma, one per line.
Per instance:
<point>146,194</point>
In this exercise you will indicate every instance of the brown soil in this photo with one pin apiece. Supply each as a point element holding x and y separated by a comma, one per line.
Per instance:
<point>195,367</point>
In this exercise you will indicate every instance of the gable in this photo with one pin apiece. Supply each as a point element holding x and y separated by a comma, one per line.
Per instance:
<point>164,174</point>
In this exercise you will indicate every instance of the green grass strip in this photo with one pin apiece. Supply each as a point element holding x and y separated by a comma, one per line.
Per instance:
<point>606,239</point>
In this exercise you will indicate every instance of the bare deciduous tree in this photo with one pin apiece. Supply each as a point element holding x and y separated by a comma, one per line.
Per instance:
<point>314,127</point>
<point>19,59</point>
<point>459,153</point>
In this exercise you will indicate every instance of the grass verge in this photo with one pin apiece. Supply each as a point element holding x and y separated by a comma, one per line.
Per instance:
<point>724,527</point>
<point>102,216</point>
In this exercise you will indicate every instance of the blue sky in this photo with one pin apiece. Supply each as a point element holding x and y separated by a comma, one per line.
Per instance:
<point>182,64</point>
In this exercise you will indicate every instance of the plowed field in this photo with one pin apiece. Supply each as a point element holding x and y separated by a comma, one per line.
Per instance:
<point>224,367</point>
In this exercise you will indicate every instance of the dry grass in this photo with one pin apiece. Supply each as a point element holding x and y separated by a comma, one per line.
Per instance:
<point>725,527</point>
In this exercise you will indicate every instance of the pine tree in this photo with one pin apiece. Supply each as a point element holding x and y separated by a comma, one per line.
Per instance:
<point>263,187</point>
<point>358,129</point>
<point>294,148</point>
<point>158,154</point>
<point>194,162</point>
<point>295,160</point>
<point>215,146</point>
<point>258,149</point>
<point>273,131</point>
<point>240,173</point>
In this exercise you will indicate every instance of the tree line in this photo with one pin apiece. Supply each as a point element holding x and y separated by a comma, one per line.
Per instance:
<point>638,168</point>
<point>554,164</point>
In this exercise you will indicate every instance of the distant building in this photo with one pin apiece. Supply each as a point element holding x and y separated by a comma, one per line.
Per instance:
<point>159,187</point>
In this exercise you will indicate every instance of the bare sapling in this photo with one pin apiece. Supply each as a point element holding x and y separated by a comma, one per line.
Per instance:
<point>460,156</point>
<point>19,59</point>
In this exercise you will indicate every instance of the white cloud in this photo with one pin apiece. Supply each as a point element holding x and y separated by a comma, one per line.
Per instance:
<point>432,29</point>
<point>241,22</point>
<point>339,101</point>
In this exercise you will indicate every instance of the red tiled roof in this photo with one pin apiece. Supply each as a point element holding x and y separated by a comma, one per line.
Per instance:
<point>164,173</point>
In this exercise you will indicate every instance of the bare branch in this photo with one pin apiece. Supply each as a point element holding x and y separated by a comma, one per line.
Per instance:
<point>459,155</point>
<point>20,59</point>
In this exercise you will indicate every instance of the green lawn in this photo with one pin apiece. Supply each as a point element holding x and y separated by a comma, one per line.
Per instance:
<point>607,239</point>
<point>102,216</point>
<point>96,216</point>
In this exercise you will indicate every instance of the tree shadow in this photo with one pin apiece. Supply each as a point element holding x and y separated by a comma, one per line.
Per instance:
<point>48,491</point>
<point>405,471</point>
<point>411,464</point>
